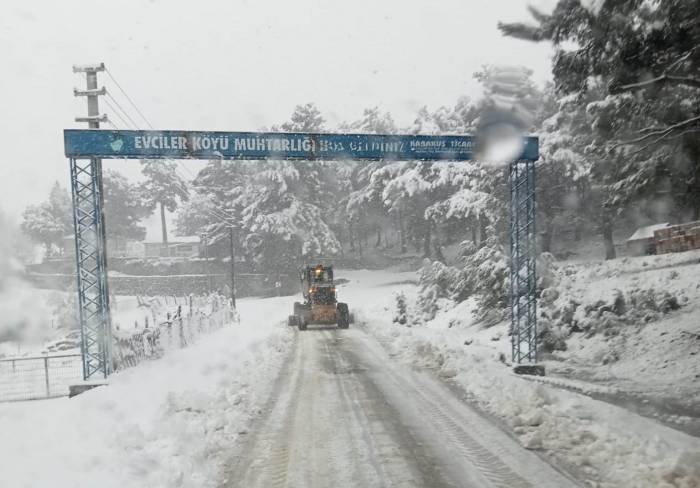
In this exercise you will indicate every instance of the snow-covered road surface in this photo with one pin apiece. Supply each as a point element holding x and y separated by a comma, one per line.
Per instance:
<point>342,413</point>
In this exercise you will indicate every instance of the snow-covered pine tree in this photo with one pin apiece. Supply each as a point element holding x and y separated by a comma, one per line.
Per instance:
<point>401,314</point>
<point>163,188</point>
<point>281,208</point>
<point>124,206</point>
<point>639,62</point>
<point>50,221</point>
<point>363,208</point>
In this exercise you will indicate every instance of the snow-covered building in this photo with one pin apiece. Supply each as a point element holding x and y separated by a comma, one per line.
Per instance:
<point>642,241</point>
<point>116,248</point>
<point>180,247</point>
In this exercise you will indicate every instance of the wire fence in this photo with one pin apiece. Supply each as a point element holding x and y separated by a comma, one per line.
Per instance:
<point>182,326</point>
<point>176,323</point>
<point>31,378</point>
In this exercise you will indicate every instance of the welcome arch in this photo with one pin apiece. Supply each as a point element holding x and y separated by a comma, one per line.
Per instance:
<point>85,150</point>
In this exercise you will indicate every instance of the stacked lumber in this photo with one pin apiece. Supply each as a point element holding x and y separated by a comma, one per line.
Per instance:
<point>678,238</point>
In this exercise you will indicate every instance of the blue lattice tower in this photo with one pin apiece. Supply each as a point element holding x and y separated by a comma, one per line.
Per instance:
<point>91,260</point>
<point>523,303</point>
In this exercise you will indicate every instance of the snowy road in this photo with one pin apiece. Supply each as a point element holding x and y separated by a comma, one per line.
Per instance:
<point>343,414</point>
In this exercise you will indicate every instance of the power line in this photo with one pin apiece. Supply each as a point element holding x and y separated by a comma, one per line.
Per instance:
<point>112,124</point>
<point>109,95</point>
<point>128,98</point>
<point>126,95</point>
<point>115,113</point>
<point>223,218</point>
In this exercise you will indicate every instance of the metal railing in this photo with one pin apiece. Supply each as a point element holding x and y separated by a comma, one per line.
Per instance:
<point>31,378</point>
<point>49,376</point>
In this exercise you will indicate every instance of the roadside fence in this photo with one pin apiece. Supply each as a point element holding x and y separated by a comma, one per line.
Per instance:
<point>176,323</point>
<point>30,378</point>
<point>182,326</point>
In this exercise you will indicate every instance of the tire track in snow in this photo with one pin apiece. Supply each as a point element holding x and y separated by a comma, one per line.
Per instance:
<point>244,470</point>
<point>387,448</point>
<point>343,414</point>
<point>504,463</point>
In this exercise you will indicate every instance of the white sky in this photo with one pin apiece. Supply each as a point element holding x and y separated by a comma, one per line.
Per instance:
<point>235,65</point>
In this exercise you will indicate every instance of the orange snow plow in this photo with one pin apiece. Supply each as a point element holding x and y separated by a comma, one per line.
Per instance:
<point>320,304</point>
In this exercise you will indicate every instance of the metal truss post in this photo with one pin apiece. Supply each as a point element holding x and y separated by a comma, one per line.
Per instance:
<point>91,260</point>
<point>523,279</point>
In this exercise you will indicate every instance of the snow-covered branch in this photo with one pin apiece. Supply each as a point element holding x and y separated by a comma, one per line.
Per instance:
<point>665,78</point>
<point>660,133</point>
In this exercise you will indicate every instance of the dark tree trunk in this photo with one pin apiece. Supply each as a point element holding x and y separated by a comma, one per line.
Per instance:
<point>402,234</point>
<point>581,208</point>
<point>483,223</point>
<point>438,252</point>
<point>379,238</point>
<point>359,241</point>
<point>351,237</point>
<point>164,228</point>
<point>607,228</point>
<point>426,242</point>
<point>547,235</point>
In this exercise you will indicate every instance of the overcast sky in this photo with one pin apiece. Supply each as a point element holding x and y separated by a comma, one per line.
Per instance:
<point>235,65</point>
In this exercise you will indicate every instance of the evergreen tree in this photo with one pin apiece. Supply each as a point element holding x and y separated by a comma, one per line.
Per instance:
<point>49,222</point>
<point>636,67</point>
<point>163,188</point>
<point>305,118</point>
<point>124,208</point>
<point>281,208</point>
<point>363,207</point>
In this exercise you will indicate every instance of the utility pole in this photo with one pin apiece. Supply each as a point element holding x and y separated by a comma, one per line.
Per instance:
<point>92,307</point>
<point>233,269</point>
<point>92,93</point>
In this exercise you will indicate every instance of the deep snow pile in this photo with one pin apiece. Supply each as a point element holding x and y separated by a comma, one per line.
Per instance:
<point>165,423</point>
<point>634,322</point>
<point>604,444</point>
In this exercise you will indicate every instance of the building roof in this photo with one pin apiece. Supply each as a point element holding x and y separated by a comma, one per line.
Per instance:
<point>647,232</point>
<point>178,240</point>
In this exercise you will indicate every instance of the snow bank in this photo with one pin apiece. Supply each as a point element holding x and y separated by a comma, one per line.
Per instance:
<point>606,445</point>
<point>637,320</point>
<point>165,423</point>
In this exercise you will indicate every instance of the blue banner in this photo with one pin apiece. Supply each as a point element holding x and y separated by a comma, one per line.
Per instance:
<point>173,144</point>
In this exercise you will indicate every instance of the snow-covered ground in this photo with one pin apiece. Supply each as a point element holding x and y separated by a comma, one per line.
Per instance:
<point>604,444</point>
<point>640,331</point>
<point>161,424</point>
<point>174,421</point>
